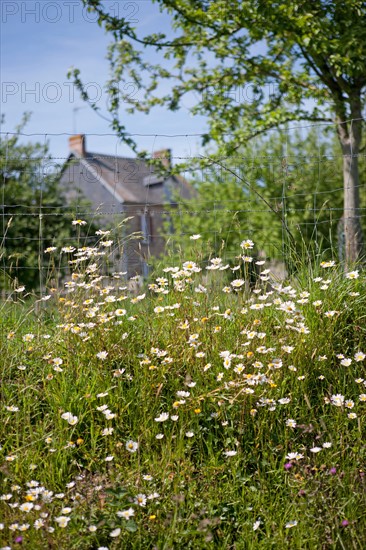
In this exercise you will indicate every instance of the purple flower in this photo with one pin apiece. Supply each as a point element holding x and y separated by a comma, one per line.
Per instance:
<point>345,522</point>
<point>19,540</point>
<point>333,471</point>
<point>287,466</point>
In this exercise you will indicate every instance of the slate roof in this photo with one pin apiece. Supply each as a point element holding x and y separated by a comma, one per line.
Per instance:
<point>128,180</point>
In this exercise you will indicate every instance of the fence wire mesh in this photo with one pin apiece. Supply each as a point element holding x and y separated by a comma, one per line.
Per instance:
<point>287,197</point>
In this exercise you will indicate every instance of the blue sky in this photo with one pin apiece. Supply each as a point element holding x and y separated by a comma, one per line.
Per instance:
<point>40,40</point>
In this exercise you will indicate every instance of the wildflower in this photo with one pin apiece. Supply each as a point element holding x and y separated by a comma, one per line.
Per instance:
<point>290,524</point>
<point>102,355</point>
<point>290,423</point>
<point>159,436</point>
<point>126,514</point>
<point>195,237</point>
<point>227,362</point>
<point>247,245</point>
<point>331,313</point>
<point>115,532</point>
<point>352,416</point>
<point>230,453</point>
<point>237,283</point>
<point>315,449</point>
<point>12,408</point>
<point>337,400</point>
<point>294,456</point>
<point>256,524</point>
<point>26,507</point>
<point>331,263</point>
<point>132,446</point>
<point>349,404</point>
<point>72,420</point>
<point>19,289</point>
<point>183,393</point>
<point>189,265</point>
<point>78,222</point>
<point>362,397</point>
<point>352,275</point>
<point>92,528</point>
<point>346,362</point>
<point>62,521</point>
<point>162,417</point>
<point>326,445</point>
<point>38,524</point>
<point>140,499</point>
<point>257,306</point>
<point>189,434</point>
<point>107,431</point>
<point>359,356</point>
<point>109,458</point>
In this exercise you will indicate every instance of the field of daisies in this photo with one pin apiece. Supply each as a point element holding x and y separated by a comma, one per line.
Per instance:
<point>196,411</point>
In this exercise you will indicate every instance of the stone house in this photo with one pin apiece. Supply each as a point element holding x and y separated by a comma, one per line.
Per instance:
<point>119,187</point>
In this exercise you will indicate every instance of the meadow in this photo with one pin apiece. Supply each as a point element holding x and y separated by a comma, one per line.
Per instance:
<point>196,412</point>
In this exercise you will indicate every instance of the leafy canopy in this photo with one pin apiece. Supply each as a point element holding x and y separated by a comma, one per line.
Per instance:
<point>33,210</point>
<point>273,184</point>
<point>252,65</point>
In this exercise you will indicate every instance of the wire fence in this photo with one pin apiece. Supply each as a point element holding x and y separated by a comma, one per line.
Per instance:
<point>278,194</point>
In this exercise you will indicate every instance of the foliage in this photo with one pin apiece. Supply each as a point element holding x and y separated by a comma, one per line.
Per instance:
<point>34,210</point>
<point>185,415</point>
<point>285,190</point>
<point>250,66</point>
<point>304,51</point>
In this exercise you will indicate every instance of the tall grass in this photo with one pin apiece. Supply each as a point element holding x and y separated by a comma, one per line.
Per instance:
<point>192,413</point>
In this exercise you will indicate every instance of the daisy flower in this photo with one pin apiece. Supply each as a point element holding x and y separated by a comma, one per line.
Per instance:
<point>132,446</point>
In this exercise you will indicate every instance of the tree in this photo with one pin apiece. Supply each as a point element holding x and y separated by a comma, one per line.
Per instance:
<point>298,60</point>
<point>32,210</point>
<point>282,193</point>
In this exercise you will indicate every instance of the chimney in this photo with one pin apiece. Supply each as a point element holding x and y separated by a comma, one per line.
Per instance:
<point>165,156</point>
<point>77,145</point>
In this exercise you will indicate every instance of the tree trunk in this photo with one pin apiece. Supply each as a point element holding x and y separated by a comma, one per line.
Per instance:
<point>350,135</point>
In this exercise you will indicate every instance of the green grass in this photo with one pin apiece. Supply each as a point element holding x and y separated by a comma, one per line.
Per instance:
<point>219,473</point>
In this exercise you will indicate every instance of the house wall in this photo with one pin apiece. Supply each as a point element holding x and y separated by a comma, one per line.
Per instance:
<point>148,222</point>
<point>132,254</point>
<point>81,185</point>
